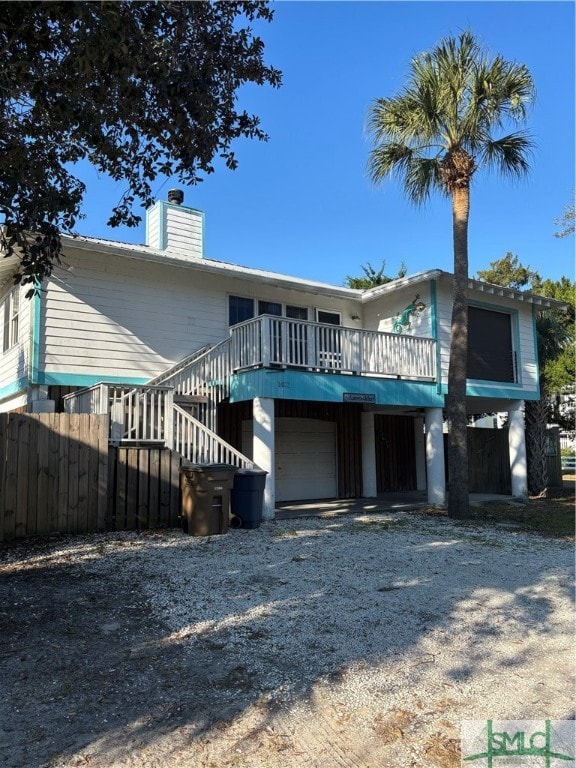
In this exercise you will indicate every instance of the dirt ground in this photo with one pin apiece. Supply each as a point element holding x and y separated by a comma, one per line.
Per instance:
<point>87,680</point>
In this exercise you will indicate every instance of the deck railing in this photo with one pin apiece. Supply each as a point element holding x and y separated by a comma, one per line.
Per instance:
<point>141,414</point>
<point>200,445</point>
<point>277,341</point>
<point>148,414</point>
<point>206,375</point>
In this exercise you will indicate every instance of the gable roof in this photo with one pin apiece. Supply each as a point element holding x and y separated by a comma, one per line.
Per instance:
<point>477,285</point>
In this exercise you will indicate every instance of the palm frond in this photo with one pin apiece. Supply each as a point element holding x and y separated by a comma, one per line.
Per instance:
<point>387,160</point>
<point>422,176</point>
<point>509,154</point>
<point>552,336</point>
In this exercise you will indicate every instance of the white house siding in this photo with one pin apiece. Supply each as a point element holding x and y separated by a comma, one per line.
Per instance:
<point>528,375</point>
<point>114,316</point>
<point>14,363</point>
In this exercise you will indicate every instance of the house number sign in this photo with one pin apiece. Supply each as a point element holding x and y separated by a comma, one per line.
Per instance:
<point>357,397</point>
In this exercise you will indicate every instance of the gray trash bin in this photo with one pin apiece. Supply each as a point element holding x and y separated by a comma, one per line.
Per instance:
<point>206,492</point>
<point>247,498</point>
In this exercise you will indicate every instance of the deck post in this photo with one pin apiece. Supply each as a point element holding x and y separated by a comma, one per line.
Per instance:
<point>369,486</point>
<point>517,449</point>
<point>420,447</point>
<point>263,450</point>
<point>435,457</point>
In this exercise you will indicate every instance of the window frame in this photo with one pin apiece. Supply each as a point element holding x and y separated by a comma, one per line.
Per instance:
<point>333,312</point>
<point>512,315</point>
<point>10,307</point>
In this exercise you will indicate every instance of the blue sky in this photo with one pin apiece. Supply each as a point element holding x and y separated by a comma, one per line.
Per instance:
<point>302,203</point>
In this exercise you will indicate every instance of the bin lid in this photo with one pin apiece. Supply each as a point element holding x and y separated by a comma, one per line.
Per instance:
<point>244,471</point>
<point>207,467</point>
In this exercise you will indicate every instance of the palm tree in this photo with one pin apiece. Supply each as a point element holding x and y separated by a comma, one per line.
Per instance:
<point>434,136</point>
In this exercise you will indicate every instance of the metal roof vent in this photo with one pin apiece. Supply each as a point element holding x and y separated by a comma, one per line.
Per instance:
<point>176,196</point>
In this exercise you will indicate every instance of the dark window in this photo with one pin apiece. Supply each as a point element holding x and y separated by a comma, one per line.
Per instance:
<point>490,353</point>
<point>330,318</point>
<point>296,313</point>
<point>269,308</point>
<point>239,309</point>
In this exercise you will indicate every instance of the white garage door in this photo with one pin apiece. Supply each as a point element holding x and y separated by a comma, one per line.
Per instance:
<point>305,459</point>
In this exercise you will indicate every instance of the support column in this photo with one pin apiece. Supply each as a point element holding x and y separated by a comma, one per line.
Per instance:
<point>420,446</point>
<point>263,453</point>
<point>369,486</point>
<point>435,457</point>
<point>517,449</point>
<point>38,400</point>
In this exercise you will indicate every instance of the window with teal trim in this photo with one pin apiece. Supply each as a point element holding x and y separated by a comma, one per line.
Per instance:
<point>491,355</point>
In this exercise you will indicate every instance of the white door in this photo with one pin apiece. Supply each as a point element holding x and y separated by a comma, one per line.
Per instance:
<point>305,459</point>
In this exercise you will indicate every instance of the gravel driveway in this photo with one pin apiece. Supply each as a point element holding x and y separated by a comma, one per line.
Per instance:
<point>356,641</point>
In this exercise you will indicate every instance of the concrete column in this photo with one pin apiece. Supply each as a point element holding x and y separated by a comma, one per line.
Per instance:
<point>38,400</point>
<point>420,446</point>
<point>263,450</point>
<point>369,487</point>
<point>435,457</point>
<point>517,449</point>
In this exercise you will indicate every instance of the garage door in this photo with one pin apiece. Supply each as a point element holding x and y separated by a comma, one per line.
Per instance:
<point>305,459</point>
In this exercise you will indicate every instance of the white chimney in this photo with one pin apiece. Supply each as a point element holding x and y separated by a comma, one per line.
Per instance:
<point>171,226</point>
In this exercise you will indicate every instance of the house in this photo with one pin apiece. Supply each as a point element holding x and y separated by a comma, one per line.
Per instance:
<point>335,392</point>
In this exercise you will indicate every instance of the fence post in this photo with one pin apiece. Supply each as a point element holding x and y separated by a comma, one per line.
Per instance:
<point>117,421</point>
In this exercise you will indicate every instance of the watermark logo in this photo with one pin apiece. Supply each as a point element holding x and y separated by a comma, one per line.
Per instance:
<point>518,743</point>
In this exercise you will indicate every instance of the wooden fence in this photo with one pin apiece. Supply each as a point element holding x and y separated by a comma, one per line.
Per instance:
<point>143,488</point>
<point>489,461</point>
<point>58,475</point>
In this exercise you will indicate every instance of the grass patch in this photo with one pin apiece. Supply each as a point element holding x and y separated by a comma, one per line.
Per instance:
<point>553,516</point>
<point>371,525</point>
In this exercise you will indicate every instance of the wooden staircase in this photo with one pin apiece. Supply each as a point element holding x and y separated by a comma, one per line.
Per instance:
<point>160,411</point>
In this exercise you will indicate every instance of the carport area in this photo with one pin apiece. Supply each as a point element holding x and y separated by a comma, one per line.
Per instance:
<point>386,502</point>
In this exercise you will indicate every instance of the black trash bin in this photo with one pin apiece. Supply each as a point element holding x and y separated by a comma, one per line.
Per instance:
<point>206,490</point>
<point>247,498</point>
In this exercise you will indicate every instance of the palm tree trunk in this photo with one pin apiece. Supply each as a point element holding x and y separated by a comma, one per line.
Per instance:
<point>536,419</point>
<point>458,498</point>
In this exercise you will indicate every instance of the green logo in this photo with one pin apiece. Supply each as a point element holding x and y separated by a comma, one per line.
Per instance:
<point>518,743</point>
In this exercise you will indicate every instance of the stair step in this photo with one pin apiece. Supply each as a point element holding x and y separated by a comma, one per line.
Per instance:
<point>190,399</point>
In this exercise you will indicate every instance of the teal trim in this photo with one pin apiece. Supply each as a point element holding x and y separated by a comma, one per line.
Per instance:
<point>85,380</point>
<point>434,329</point>
<point>510,392</point>
<point>326,387</point>
<point>35,314</point>
<point>13,389</point>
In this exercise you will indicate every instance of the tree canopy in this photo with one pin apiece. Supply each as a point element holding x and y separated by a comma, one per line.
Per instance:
<point>139,89</point>
<point>508,272</point>
<point>567,222</point>
<point>371,278</point>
